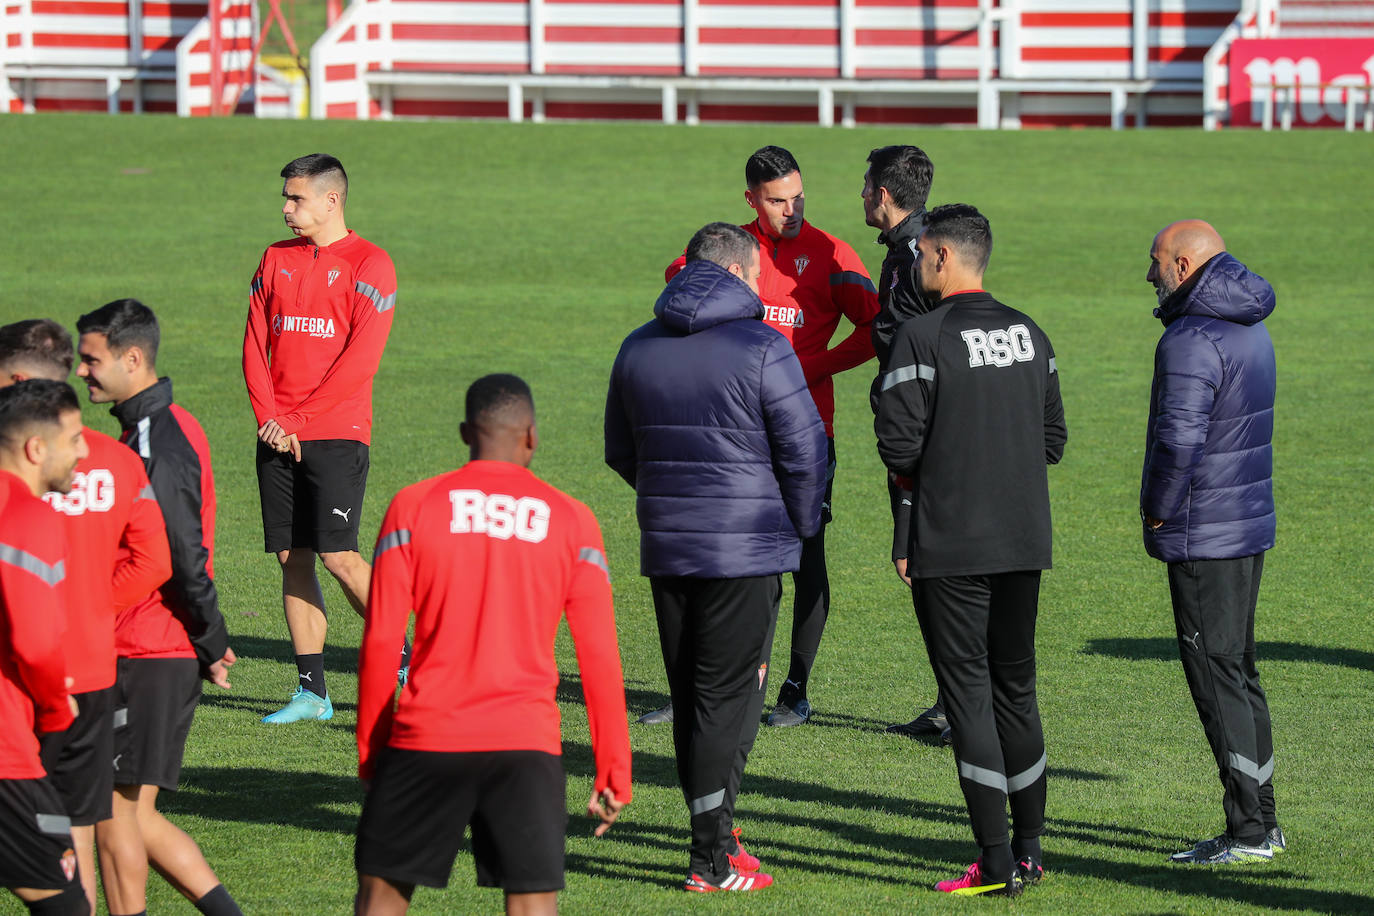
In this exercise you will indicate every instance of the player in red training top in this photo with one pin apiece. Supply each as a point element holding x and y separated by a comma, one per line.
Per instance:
<point>489,558</point>
<point>116,554</point>
<point>809,280</point>
<point>168,641</point>
<point>318,317</point>
<point>40,444</point>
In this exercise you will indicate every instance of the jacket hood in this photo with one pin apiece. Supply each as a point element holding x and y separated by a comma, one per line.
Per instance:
<point>1225,289</point>
<point>703,295</point>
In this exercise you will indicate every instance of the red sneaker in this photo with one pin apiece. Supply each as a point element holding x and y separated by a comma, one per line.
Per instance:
<point>741,860</point>
<point>734,881</point>
<point>972,883</point>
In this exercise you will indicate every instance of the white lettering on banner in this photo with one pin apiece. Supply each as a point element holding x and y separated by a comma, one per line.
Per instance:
<point>1324,74</point>
<point>998,348</point>
<point>92,491</point>
<point>300,324</point>
<point>1316,102</point>
<point>499,516</point>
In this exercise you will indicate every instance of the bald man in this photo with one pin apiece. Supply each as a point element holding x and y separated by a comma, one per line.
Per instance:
<point>1207,510</point>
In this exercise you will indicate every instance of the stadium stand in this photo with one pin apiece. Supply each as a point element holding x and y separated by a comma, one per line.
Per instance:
<point>989,63</point>
<point>1020,63</point>
<point>135,56</point>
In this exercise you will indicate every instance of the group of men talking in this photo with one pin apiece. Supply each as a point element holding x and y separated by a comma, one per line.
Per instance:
<point>719,414</point>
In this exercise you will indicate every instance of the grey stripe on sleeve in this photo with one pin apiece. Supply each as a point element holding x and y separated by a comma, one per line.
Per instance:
<point>380,302</point>
<point>595,558</point>
<point>51,574</point>
<point>394,539</point>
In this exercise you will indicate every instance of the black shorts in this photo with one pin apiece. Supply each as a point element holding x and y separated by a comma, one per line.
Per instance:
<point>35,837</point>
<point>413,818</point>
<point>155,700</point>
<point>82,774</point>
<point>316,502</point>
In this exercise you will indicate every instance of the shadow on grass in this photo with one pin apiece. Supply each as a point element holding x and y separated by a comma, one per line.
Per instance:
<point>255,795</point>
<point>343,659</point>
<point>1164,649</point>
<point>328,803</point>
<point>641,699</point>
<point>1250,885</point>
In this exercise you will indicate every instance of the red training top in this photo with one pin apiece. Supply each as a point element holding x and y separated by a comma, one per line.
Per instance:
<point>32,672</point>
<point>116,553</point>
<point>318,319</point>
<point>806,284</point>
<point>489,557</point>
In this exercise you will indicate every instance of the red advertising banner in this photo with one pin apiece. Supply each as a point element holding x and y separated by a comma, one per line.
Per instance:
<point>1323,72</point>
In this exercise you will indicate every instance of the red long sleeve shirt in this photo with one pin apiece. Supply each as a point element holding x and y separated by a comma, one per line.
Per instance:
<point>117,554</point>
<point>489,558</point>
<point>318,319</point>
<point>32,670</point>
<point>806,284</point>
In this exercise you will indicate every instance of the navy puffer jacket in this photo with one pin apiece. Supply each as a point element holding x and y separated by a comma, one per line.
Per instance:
<point>708,417</point>
<point>1208,453</point>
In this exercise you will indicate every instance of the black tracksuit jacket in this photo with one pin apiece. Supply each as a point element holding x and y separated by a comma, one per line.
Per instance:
<point>969,407</point>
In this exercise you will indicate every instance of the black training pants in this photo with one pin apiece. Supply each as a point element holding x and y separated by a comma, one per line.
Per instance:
<point>811,591</point>
<point>980,635</point>
<point>716,636</point>
<point>1214,612</point>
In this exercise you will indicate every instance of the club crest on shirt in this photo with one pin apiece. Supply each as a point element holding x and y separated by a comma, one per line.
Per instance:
<point>893,284</point>
<point>801,263</point>
<point>68,863</point>
<point>333,275</point>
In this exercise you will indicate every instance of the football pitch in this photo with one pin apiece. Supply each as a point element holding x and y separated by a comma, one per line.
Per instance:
<point>535,249</point>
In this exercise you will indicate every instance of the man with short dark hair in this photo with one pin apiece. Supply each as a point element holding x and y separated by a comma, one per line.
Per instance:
<point>808,281</point>
<point>489,558</point>
<point>708,418</point>
<point>970,410</point>
<point>40,444</point>
<point>171,639</point>
<point>1207,506</point>
<point>319,313</point>
<point>116,554</point>
<point>896,187</point>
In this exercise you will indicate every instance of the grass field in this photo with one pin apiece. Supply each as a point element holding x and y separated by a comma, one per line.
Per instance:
<point>535,249</point>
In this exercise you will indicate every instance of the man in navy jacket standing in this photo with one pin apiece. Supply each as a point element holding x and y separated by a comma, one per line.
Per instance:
<point>709,419</point>
<point>1207,506</point>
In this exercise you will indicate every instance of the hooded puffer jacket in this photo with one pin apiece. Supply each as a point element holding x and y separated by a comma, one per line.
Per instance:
<point>709,419</point>
<point>1209,457</point>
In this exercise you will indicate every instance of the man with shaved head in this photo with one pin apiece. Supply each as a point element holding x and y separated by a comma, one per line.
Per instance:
<point>488,558</point>
<point>1207,508</point>
<point>319,313</point>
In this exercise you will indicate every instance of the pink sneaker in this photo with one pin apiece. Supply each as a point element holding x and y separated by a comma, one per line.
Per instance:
<point>972,883</point>
<point>741,860</point>
<point>734,881</point>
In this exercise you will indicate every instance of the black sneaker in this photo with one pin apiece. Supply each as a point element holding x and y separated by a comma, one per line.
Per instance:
<point>785,715</point>
<point>929,724</point>
<point>1029,870</point>
<point>1276,839</point>
<point>1222,850</point>
<point>658,716</point>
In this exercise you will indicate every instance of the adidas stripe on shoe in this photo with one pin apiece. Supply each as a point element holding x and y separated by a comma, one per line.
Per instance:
<point>972,883</point>
<point>734,881</point>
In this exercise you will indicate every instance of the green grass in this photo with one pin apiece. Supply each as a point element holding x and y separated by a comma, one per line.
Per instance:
<point>535,249</point>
